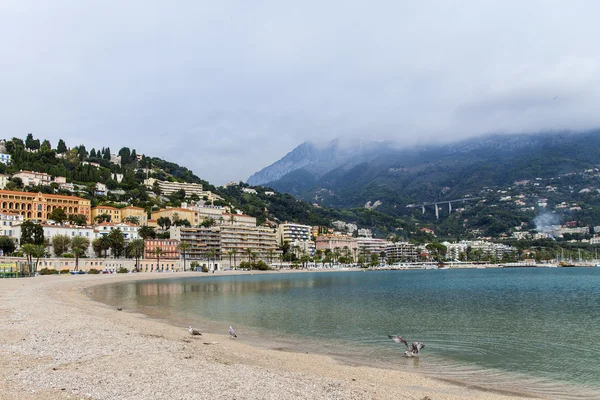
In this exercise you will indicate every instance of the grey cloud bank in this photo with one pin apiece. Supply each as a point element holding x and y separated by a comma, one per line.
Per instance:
<point>226,88</point>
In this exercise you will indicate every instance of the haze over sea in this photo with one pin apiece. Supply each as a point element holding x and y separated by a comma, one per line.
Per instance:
<point>526,330</point>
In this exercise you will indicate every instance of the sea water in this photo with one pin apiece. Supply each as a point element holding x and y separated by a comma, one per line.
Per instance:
<point>528,330</point>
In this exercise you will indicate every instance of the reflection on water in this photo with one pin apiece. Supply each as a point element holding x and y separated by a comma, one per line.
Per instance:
<point>540,325</point>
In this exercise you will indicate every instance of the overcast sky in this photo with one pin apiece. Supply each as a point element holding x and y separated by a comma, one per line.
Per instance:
<point>228,87</point>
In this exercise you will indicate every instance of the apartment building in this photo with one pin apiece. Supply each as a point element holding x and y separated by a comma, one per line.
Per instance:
<point>201,241</point>
<point>333,242</point>
<point>3,181</point>
<point>368,246</point>
<point>38,205</point>
<point>241,238</point>
<point>7,221</point>
<point>113,212</point>
<point>401,252</point>
<point>169,247</point>
<point>129,231</point>
<point>167,188</point>
<point>134,212</point>
<point>238,219</point>
<point>298,236</point>
<point>31,178</point>
<point>175,213</point>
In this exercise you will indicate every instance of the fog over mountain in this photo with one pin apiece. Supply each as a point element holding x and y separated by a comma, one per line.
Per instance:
<point>228,87</point>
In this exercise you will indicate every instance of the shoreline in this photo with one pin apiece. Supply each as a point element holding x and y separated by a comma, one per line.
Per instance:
<point>62,344</point>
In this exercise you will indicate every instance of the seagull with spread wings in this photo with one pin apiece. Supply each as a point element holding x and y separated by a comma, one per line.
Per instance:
<point>411,351</point>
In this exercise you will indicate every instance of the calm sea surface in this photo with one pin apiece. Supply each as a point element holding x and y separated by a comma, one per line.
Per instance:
<point>526,330</point>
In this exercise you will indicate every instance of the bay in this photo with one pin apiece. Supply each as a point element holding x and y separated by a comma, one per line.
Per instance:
<point>528,330</point>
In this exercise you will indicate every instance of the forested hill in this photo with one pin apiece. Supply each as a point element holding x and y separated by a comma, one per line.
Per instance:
<point>85,168</point>
<point>397,176</point>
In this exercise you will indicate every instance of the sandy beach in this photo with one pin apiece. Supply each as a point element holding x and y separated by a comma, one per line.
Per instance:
<point>59,344</point>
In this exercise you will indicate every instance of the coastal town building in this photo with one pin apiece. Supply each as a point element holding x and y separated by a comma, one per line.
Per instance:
<point>168,188</point>
<point>7,221</point>
<point>132,213</point>
<point>129,231</point>
<point>3,181</point>
<point>5,158</point>
<point>333,242</point>
<point>38,205</point>
<point>169,248</point>
<point>30,178</point>
<point>238,219</point>
<point>401,252</point>
<point>368,246</point>
<point>113,212</point>
<point>203,242</point>
<point>297,236</point>
<point>179,213</point>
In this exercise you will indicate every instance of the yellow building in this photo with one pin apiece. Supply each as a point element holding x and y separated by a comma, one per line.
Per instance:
<point>175,213</point>
<point>113,212</point>
<point>136,212</point>
<point>39,205</point>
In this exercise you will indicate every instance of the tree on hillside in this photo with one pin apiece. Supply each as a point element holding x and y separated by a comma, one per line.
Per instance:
<point>77,219</point>
<point>164,223</point>
<point>7,245</point>
<point>147,232</point>
<point>31,143</point>
<point>46,146</point>
<point>61,147</point>
<point>58,215</point>
<point>103,218</point>
<point>117,242</point>
<point>135,249</point>
<point>31,233</point>
<point>60,244</point>
<point>79,245</point>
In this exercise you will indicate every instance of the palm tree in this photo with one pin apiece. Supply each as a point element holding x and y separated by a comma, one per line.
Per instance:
<point>231,218</point>
<point>34,250</point>
<point>105,243</point>
<point>211,254</point>
<point>157,252</point>
<point>135,249</point>
<point>248,252</point>
<point>234,252</point>
<point>271,255</point>
<point>79,245</point>
<point>183,248</point>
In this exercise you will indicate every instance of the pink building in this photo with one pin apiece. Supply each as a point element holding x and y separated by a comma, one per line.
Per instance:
<point>325,242</point>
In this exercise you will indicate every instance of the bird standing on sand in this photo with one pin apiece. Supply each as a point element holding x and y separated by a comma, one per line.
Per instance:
<point>413,351</point>
<point>194,332</point>
<point>232,333</point>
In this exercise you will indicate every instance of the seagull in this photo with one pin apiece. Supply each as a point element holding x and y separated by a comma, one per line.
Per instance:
<point>413,350</point>
<point>194,332</point>
<point>232,333</point>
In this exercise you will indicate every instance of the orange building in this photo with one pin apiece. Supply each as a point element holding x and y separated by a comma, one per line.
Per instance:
<point>38,205</point>
<point>170,248</point>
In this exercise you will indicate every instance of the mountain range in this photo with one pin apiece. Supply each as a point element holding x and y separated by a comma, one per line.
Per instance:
<point>346,174</point>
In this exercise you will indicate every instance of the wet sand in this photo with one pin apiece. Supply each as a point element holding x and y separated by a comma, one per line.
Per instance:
<point>59,344</point>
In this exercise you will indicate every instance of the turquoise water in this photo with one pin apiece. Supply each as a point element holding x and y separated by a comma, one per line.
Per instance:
<point>526,330</point>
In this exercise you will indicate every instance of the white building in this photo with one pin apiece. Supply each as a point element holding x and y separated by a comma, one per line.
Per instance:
<point>298,236</point>
<point>249,190</point>
<point>31,178</point>
<point>167,188</point>
<point>101,189</point>
<point>7,220</point>
<point>368,246</point>
<point>5,158</point>
<point>3,181</point>
<point>130,231</point>
<point>401,252</point>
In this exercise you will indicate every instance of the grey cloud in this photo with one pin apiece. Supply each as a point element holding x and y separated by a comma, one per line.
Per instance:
<point>228,87</point>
